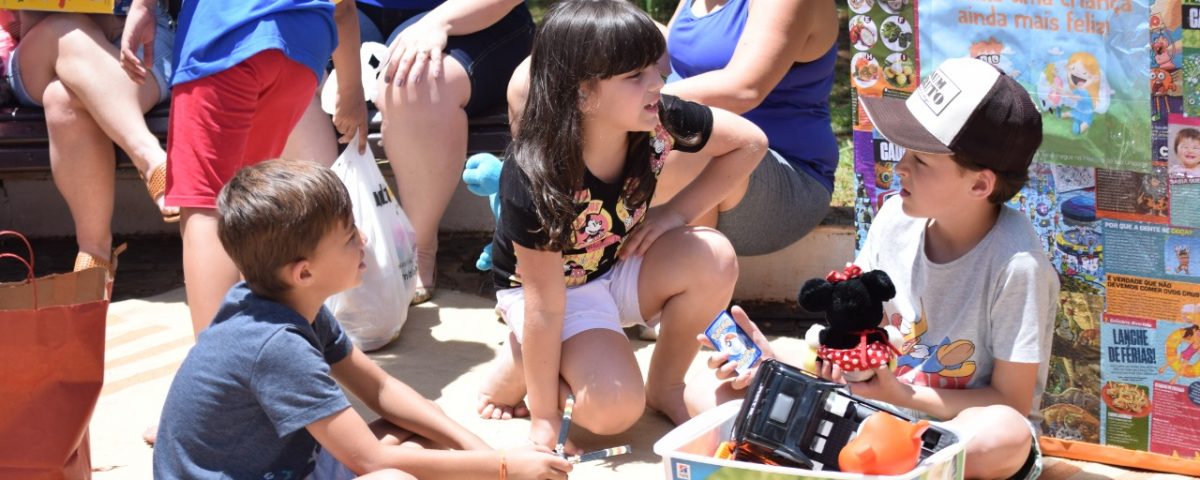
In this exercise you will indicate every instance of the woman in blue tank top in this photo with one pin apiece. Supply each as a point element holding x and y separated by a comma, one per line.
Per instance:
<point>772,62</point>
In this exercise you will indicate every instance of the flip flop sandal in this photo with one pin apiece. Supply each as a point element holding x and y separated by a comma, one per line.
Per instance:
<point>156,185</point>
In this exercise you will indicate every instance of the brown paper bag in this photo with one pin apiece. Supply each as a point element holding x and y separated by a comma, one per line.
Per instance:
<point>51,370</point>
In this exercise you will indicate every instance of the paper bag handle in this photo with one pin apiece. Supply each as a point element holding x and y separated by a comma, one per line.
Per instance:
<point>28,247</point>
<point>27,262</point>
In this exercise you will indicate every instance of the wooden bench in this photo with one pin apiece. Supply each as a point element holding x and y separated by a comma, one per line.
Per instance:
<point>24,143</point>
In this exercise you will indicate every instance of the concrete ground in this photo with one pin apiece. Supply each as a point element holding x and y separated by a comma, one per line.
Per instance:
<point>443,352</point>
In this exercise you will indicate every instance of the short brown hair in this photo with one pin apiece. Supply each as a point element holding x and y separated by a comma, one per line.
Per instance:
<point>274,213</point>
<point>1008,183</point>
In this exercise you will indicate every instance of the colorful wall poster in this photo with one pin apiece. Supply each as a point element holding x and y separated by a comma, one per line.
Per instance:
<point>1191,57</point>
<point>883,39</point>
<point>1133,196</point>
<point>1129,364</point>
<point>1071,403</point>
<point>1084,61</point>
<point>1166,72</point>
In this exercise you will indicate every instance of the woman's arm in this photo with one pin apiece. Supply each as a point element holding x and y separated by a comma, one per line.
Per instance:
<point>777,34</point>
<point>462,17</point>
<point>421,45</point>
<point>545,304</point>
<point>736,146</point>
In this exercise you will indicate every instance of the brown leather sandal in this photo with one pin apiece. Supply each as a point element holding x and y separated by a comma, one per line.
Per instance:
<point>156,185</point>
<point>84,261</point>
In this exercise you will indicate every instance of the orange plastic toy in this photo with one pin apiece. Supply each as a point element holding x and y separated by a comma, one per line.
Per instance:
<point>885,445</point>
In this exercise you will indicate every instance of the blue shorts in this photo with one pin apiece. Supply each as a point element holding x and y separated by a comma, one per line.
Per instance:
<point>164,46</point>
<point>489,56</point>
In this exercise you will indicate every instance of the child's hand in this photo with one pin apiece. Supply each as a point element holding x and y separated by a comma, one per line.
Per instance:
<point>139,32</point>
<point>883,386</point>
<point>536,462</point>
<point>418,47</point>
<point>350,115</point>
<point>830,372</point>
<point>658,220</point>
<point>719,361</point>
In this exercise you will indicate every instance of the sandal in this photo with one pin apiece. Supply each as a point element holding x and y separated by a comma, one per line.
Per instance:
<point>424,293</point>
<point>156,185</point>
<point>84,261</point>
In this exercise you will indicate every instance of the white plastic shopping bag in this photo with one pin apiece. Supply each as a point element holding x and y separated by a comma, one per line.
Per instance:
<point>372,313</point>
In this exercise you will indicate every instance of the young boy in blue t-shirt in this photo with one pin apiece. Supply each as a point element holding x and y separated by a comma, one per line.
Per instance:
<point>258,395</point>
<point>975,293</point>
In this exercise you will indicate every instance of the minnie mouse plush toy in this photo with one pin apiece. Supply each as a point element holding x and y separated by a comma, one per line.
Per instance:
<point>853,306</point>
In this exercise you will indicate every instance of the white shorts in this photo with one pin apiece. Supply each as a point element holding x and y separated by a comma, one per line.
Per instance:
<point>609,302</point>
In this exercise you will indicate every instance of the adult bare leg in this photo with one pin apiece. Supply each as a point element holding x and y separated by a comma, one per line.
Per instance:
<point>425,137</point>
<point>74,50</point>
<point>314,138</point>
<point>82,161</point>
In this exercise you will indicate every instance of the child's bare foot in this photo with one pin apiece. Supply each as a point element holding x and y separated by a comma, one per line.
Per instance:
<point>669,401</point>
<point>150,435</point>
<point>502,397</point>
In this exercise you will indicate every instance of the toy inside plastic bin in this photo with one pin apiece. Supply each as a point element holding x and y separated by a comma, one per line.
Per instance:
<point>119,7</point>
<point>687,453</point>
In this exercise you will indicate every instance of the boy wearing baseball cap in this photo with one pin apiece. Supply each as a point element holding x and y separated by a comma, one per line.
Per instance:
<point>975,293</point>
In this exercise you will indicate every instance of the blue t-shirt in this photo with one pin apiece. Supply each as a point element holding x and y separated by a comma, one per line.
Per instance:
<point>213,35</point>
<point>404,4</point>
<point>239,405</point>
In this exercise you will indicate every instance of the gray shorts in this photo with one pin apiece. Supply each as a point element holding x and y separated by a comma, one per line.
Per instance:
<point>781,205</point>
<point>164,46</point>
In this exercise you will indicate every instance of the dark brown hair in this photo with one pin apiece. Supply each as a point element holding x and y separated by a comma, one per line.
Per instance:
<point>579,41</point>
<point>274,213</point>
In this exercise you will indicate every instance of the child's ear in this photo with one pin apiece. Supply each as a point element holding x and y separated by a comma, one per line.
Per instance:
<point>587,97</point>
<point>297,273</point>
<point>983,183</point>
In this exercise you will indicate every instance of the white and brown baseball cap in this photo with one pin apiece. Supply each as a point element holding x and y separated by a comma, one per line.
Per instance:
<point>966,107</point>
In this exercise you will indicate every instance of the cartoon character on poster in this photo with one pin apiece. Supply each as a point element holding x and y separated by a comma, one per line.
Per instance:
<point>1182,348</point>
<point>1177,254</point>
<point>994,52</point>
<point>1154,197</point>
<point>1075,89</point>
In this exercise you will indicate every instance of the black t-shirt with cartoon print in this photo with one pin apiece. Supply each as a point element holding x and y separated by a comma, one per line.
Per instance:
<point>604,216</point>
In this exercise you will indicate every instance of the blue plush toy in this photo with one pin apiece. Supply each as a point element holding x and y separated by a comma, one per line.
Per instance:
<point>482,176</point>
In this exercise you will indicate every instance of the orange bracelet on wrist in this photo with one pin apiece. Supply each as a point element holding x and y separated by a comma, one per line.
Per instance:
<point>503,466</point>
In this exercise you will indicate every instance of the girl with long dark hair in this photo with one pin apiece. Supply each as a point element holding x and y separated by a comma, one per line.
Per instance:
<point>577,252</point>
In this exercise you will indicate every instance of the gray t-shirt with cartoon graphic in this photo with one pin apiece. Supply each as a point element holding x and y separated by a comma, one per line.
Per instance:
<point>997,301</point>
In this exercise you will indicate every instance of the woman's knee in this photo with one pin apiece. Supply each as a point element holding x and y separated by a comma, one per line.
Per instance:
<point>452,89</point>
<point>62,108</point>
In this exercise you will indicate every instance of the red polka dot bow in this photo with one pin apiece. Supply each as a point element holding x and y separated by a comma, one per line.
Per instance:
<point>851,271</point>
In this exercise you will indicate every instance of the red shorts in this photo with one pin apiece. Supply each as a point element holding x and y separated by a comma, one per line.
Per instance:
<point>231,119</point>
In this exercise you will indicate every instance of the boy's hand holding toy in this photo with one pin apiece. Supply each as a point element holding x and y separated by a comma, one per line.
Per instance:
<point>853,305</point>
